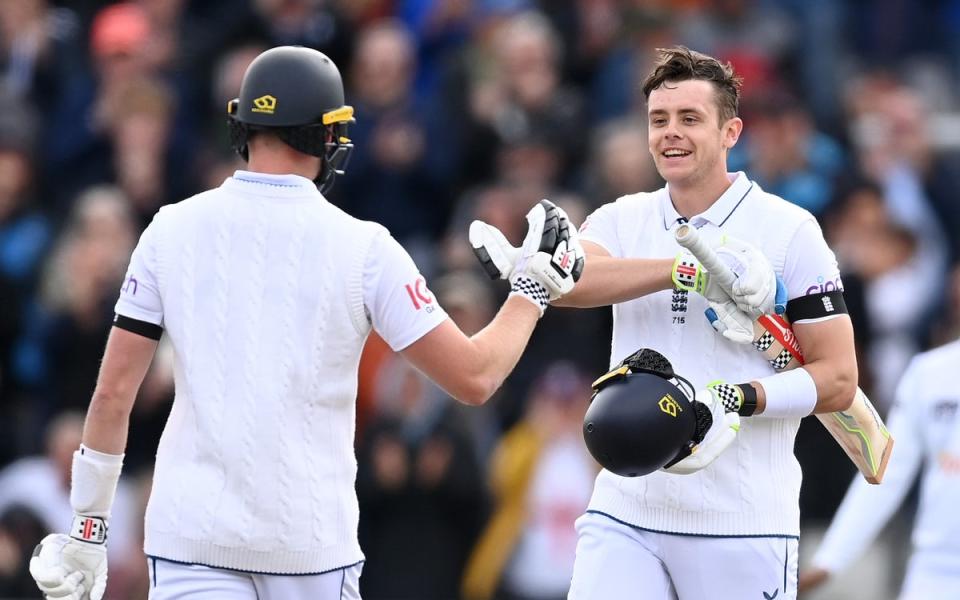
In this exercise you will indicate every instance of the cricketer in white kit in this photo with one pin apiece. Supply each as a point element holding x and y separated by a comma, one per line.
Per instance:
<point>267,293</point>
<point>925,421</point>
<point>730,530</point>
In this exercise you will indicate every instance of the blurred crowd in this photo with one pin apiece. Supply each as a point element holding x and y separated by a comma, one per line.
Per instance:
<point>465,109</point>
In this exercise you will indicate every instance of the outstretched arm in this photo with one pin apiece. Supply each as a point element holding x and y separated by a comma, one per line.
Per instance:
<point>472,369</point>
<point>608,280</point>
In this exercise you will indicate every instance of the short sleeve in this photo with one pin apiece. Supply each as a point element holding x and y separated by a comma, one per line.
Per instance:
<point>140,294</point>
<point>401,307</point>
<point>810,266</point>
<point>601,229</point>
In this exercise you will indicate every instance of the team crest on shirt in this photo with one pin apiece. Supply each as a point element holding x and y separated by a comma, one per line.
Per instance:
<point>420,295</point>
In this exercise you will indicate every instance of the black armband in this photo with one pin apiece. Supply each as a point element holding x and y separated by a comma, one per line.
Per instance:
<point>816,306</point>
<point>144,328</point>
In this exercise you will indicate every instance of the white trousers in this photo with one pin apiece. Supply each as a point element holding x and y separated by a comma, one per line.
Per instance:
<point>178,581</point>
<point>616,561</point>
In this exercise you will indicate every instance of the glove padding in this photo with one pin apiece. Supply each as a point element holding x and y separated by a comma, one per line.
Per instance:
<point>66,568</point>
<point>717,433</point>
<point>546,266</point>
<point>754,291</point>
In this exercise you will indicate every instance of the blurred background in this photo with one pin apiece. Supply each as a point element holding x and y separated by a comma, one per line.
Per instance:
<point>465,109</point>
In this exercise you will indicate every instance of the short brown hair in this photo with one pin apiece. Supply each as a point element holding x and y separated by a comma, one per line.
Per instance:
<point>681,64</point>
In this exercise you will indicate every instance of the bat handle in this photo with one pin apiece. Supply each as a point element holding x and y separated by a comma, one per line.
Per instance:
<point>688,237</point>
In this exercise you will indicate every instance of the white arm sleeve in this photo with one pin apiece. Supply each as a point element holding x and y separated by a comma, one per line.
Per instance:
<point>401,307</point>
<point>866,508</point>
<point>601,229</point>
<point>140,294</point>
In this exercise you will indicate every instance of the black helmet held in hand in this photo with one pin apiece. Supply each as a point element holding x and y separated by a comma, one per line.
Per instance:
<point>297,94</point>
<point>642,417</point>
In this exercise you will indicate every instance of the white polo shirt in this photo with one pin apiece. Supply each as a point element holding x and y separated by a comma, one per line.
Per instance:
<point>267,293</point>
<point>753,488</point>
<point>925,422</point>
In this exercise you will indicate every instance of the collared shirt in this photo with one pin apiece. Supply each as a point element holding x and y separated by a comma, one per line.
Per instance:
<point>753,488</point>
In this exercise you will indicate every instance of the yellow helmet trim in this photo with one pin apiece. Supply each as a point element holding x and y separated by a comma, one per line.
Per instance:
<point>344,114</point>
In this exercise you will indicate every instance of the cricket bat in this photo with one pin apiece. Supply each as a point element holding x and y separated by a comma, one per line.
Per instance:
<point>859,430</point>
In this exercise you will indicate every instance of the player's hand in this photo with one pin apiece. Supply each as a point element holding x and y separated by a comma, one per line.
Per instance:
<point>730,322</point>
<point>497,256</point>
<point>69,569</point>
<point>734,324</point>
<point>812,577</point>
<point>756,290</point>
<point>545,267</point>
<point>715,433</point>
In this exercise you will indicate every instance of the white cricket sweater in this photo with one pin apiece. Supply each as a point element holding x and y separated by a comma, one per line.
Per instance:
<point>753,488</point>
<point>267,293</point>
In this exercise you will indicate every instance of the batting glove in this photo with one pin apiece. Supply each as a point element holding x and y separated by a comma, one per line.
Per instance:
<point>734,324</point>
<point>548,263</point>
<point>716,429</point>
<point>66,568</point>
<point>755,291</point>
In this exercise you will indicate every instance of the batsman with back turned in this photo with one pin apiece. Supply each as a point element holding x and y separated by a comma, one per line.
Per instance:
<point>267,293</point>
<point>730,529</point>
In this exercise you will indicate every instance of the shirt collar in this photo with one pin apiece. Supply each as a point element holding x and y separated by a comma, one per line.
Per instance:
<point>718,212</point>
<point>270,184</point>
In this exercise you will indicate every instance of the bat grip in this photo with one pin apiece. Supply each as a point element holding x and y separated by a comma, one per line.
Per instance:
<point>688,237</point>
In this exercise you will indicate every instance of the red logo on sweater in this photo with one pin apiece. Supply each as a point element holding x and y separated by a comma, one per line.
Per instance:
<point>419,294</point>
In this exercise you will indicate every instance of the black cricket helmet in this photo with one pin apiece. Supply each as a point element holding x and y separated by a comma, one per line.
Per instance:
<point>642,416</point>
<point>296,93</point>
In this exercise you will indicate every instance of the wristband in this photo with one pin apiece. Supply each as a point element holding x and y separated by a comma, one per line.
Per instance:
<point>791,394</point>
<point>94,482</point>
<point>739,398</point>
<point>532,290</point>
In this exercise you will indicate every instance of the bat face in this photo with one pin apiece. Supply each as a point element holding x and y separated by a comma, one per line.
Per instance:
<point>859,430</point>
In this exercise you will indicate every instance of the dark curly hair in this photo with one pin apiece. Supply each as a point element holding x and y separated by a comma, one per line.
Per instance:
<point>680,63</point>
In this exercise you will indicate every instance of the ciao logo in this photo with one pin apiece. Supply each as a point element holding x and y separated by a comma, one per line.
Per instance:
<point>825,285</point>
<point>420,295</point>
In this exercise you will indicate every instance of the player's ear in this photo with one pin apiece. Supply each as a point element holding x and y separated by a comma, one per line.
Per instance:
<point>731,132</point>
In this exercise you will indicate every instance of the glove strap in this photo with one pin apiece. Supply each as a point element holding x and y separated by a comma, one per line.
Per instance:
<point>532,290</point>
<point>92,530</point>
<point>740,398</point>
<point>688,274</point>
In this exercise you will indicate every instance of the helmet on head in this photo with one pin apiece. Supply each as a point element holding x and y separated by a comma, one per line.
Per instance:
<point>642,417</point>
<point>297,94</point>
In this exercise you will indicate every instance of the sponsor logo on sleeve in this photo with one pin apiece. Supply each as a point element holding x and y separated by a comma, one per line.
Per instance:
<point>130,285</point>
<point>825,285</point>
<point>420,296</point>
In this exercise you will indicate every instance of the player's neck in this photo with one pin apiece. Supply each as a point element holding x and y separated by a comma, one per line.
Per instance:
<point>276,158</point>
<point>693,198</point>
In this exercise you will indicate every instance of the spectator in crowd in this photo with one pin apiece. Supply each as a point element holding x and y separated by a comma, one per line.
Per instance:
<point>404,158</point>
<point>901,281</point>
<point>79,285</point>
<point>785,154</point>
<point>420,489</point>
<point>541,477</point>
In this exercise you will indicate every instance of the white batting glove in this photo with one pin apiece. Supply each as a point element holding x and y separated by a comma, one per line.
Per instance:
<point>720,433</point>
<point>730,322</point>
<point>69,569</point>
<point>545,267</point>
<point>755,290</point>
